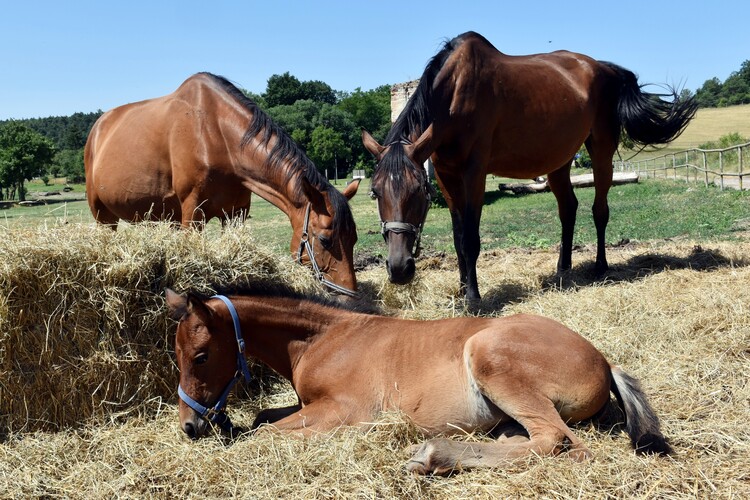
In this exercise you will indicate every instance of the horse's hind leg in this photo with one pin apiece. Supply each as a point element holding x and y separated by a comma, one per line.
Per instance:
<point>601,152</point>
<point>548,435</point>
<point>567,205</point>
<point>518,392</point>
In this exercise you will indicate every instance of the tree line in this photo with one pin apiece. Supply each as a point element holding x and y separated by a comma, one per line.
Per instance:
<point>325,123</point>
<point>734,90</point>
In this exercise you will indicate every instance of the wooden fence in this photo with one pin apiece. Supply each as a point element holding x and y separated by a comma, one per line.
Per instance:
<point>723,167</point>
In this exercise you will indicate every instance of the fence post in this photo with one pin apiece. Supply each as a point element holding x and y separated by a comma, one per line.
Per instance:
<point>739,154</point>
<point>721,169</point>
<point>705,167</point>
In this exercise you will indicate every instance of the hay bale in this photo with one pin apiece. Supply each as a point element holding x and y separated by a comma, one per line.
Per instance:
<point>83,327</point>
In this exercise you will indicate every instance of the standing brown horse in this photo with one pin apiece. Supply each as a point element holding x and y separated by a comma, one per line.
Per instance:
<point>198,153</point>
<point>477,111</point>
<point>524,376</point>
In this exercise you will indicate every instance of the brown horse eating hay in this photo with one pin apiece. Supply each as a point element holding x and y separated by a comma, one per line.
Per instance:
<point>477,111</point>
<point>198,153</point>
<point>524,374</point>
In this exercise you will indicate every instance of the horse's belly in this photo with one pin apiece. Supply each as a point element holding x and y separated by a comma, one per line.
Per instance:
<point>451,406</point>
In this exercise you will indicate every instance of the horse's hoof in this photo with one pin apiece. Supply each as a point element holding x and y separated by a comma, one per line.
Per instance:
<point>431,457</point>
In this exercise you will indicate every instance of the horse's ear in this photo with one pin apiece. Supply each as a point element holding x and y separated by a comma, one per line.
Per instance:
<point>177,303</point>
<point>371,144</point>
<point>422,148</point>
<point>351,189</point>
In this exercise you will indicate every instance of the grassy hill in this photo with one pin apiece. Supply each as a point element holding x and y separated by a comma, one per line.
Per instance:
<point>708,125</point>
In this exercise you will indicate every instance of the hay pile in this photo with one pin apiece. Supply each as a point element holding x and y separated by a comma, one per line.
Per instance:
<point>673,314</point>
<point>83,331</point>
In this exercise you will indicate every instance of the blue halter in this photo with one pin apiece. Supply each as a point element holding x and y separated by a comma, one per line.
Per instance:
<point>217,415</point>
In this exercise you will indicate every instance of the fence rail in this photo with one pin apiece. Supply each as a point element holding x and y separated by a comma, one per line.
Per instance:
<point>724,167</point>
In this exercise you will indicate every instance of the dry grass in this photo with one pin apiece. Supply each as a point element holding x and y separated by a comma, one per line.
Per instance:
<point>673,314</point>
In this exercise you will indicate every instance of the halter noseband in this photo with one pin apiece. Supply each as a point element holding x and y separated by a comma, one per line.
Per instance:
<point>217,415</point>
<point>305,245</point>
<point>399,227</point>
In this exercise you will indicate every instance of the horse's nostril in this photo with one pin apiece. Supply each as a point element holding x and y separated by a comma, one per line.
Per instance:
<point>410,267</point>
<point>189,429</point>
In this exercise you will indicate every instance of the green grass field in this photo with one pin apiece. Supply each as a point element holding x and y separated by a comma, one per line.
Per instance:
<point>649,210</point>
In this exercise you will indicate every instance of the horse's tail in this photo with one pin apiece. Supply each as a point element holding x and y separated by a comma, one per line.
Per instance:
<point>641,423</point>
<point>647,118</point>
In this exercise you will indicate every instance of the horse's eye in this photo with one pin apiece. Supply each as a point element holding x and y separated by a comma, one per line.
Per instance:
<point>201,358</point>
<point>325,241</point>
<point>373,195</point>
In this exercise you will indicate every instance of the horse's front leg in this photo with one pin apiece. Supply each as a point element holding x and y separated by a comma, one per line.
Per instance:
<point>273,415</point>
<point>470,249</point>
<point>458,231</point>
<point>319,416</point>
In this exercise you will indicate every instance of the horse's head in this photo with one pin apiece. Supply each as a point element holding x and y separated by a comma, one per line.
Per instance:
<point>403,193</point>
<point>208,360</point>
<point>324,237</point>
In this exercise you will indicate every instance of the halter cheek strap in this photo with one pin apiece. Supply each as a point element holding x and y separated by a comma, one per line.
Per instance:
<point>217,415</point>
<point>305,245</point>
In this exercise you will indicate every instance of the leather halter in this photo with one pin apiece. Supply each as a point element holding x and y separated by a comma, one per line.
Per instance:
<point>305,245</point>
<point>405,227</point>
<point>399,227</point>
<point>217,415</point>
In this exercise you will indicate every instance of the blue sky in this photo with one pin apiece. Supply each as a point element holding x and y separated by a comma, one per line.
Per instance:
<point>59,57</point>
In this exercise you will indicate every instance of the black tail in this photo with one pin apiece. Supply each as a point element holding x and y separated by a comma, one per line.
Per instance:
<point>641,423</point>
<point>647,118</point>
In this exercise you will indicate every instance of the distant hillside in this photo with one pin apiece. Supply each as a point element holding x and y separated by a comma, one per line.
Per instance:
<point>708,125</point>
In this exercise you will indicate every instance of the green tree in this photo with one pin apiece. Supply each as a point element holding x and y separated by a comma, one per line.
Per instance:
<point>708,95</point>
<point>297,119</point>
<point>370,109</point>
<point>318,91</point>
<point>24,154</point>
<point>735,90</point>
<point>328,150</point>
<point>282,90</point>
<point>69,163</point>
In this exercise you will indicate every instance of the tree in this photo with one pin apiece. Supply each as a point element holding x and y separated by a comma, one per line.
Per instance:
<point>297,119</point>
<point>69,163</point>
<point>708,95</point>
<point>24,154</point>
<point>735,90</point>
<point>370,109</point>
<point>318,91</point>
<point>283,90</point>
<point>327,149</point>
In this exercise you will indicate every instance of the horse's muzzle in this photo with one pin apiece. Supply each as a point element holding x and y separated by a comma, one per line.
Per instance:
<point>195,428</point>
<point>401,271</point>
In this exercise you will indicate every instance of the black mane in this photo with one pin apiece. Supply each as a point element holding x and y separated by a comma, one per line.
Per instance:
<point>286,150</point>
<point>416,116</point>
<point>414,119</point>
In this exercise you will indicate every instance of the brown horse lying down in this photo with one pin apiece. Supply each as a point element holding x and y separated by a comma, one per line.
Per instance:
<point>448,376</point>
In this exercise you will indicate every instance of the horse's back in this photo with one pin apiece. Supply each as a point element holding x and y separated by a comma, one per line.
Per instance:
<point>522,115</point>
<point>131,151</point>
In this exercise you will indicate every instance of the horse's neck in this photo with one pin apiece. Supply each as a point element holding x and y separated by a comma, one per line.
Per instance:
<point>278,330</point>
<point>272,183</point>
